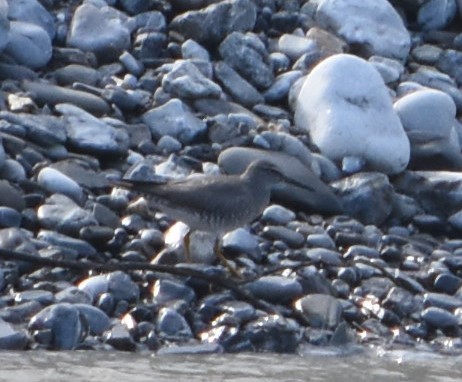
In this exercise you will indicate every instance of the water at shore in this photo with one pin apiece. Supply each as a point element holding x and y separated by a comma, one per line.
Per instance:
<point>118,366</point>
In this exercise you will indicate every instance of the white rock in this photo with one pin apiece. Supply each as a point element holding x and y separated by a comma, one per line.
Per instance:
<point>429,119</point>
<point>390,70</point>
<point>347,110</point>
<point>373,24</point>
<point>427,112</point>
<point>295,46</point>
<point>55,181</point>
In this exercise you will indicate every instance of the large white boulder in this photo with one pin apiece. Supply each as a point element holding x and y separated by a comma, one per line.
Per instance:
<point>372,25</point>
<point>346,108</point>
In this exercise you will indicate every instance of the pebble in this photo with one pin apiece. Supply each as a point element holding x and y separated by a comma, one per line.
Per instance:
<point>276,289</point>
<point>63,322</point>
<point>11,339</point>
<point>323,255</point>
<point>212,24</point>
<point>119,337</point>
<point>175,119</point>
<point>101,30</point>
<point>292,238</point>
<point>277,214</point>
<point>248,56</point>
<point>61,213</point>
<point>321,311</point>
<point>185,80</point>
<point>240,241</point>
<point>171,324</point>
<point>441,319</point>
<point>236,86</point>
<point>428,117</point>
<point>56,182</point>
<point>166,291</point>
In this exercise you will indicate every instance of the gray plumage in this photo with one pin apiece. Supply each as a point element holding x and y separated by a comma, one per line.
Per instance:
<point>218,203</point>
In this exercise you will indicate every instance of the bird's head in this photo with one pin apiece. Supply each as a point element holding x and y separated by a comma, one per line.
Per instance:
<point>268,173</point>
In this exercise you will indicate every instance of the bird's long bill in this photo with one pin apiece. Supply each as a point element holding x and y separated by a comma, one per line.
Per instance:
<point>295,182</point>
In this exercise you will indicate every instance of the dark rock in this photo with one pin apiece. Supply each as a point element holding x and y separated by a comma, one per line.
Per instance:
<point>101,30</point>
<point>165,291</point>
<point>12,339</point>
<point>276,289</point>
<point>212,24</point>
<point>292,238</point>
<point>248,56</point>
<point>237,87</point>
<point>119,337</point>
<point>441,319</point>
<point>63,321</point>
<point>273,334</point>
<point>171,324</point>
<point>320,310</point>
<point>98,322</point>
<point>447,283</point>
<point>46,94</point>
<point>366,196</point>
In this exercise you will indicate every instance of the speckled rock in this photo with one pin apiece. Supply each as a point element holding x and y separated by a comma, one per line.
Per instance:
<point>102,30</point>
<point>212,24</point>
<point>174,119</point>
<point>248,56</point>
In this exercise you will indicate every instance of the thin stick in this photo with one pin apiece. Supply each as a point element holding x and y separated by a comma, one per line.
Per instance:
<point>224,282</point>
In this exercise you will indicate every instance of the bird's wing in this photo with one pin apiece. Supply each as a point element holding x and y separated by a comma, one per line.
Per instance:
<point>190,193</point>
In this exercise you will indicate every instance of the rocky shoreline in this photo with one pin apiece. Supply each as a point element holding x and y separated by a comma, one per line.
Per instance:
<point>359,100</point>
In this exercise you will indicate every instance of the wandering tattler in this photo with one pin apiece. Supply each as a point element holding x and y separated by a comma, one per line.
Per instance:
<point>216,204</point>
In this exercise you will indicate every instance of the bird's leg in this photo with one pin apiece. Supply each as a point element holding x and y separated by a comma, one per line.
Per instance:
<point>219,253</point>
<point>186,242</point>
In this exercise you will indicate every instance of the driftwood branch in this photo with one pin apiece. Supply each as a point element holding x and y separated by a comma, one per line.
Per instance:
<point>85,266</point>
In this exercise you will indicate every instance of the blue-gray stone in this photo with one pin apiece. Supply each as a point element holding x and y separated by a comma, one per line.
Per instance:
<point>73,295</point>
<point>61,213</point>
<point>9,217</point>
<point>165,291</point>
<point>64,322</point>
<point>44,297</point>
<point>29,44</point>
<point>66,242</point>
<point>10,338</point>
<point>122,287</point>
<point>276,214</point>
<point>320,310</point>
<point>247,54</point>
<point>436,14</point>
<point>240,241</point>
<point>439,318</point>
<point>101,30</point>
<point>447,283</point>
<point>441,300</point>
<point>212,24</point>
<point>31,11</point>
<point>175,119</point>
<point>171,324</point>
<point>98,321</point>
<point>276,289</point>
<point>324,256</point>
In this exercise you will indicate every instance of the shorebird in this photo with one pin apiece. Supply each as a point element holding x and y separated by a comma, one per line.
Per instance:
<point>216,204</point>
